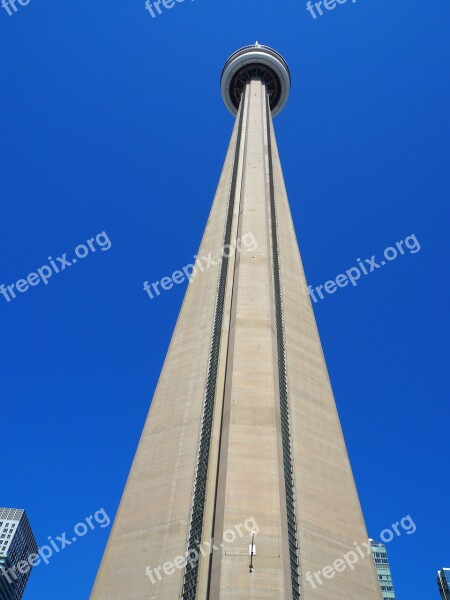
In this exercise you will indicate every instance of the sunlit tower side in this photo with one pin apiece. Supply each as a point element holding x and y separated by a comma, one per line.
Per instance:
<point>243,422</point>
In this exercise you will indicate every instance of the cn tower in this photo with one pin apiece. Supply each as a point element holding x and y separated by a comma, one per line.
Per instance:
<point>243,427</point>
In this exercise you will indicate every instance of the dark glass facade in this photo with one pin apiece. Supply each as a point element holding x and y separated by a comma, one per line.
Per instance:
<point>443,580</point>
<point>381,560</point>
<point>17,544</point>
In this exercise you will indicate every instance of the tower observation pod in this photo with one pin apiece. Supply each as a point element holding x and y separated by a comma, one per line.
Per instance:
<point>256,62</point>
<point>241,487</point>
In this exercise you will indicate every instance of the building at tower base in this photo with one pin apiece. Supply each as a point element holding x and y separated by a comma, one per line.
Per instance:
<point>17,551</point>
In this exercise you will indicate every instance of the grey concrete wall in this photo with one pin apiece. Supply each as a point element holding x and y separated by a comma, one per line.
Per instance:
<point>245,476</point>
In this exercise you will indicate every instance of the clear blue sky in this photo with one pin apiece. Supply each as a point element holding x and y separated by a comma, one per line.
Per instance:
<point>112,121</point>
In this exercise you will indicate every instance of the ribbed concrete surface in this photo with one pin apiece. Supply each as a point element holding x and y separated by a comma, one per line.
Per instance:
<point>245,476</point>
<point>151,524</point>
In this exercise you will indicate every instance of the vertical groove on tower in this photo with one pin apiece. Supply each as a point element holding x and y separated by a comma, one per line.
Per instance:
<point>283,386</point>
<point>201,474</point>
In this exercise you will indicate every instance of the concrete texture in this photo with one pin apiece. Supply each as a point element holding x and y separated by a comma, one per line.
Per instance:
<point>245,473</point>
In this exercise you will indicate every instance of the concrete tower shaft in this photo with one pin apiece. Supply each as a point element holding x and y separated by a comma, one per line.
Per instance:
<point>243,425</point>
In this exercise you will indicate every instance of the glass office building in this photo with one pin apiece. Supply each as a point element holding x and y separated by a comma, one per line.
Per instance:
<point>443,580</point>
<point>384,572</point>
<point>17,550</point>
